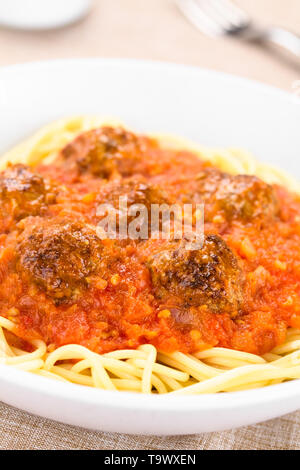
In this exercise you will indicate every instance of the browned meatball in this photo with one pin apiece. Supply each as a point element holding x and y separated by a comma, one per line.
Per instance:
<point>59,256</point>
<point>23,192</point>
<point>209,276</point>
<point>136,191</point>
<point>106,152</point>
<point>242,197</point>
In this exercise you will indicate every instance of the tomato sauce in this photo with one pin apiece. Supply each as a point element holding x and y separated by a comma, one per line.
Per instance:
<point>115,305</point>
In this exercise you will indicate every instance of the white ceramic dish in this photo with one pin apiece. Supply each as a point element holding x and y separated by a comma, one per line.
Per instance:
<point>41,14</point>
<point>208,107</point>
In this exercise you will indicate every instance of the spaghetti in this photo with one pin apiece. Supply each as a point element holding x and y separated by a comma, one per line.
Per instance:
<point>146,368</point>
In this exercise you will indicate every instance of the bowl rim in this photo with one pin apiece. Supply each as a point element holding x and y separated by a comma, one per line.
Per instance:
<point>27,381</point>
<point>151,63</point>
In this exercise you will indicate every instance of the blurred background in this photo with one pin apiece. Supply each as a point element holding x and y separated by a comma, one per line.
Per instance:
<point>155,29</point>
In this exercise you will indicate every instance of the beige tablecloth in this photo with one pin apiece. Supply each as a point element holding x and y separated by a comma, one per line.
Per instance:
<point>19,430</point>
<point>151,29</point>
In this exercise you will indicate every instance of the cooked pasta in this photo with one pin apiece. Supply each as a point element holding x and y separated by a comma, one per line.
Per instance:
<point>147,368</point>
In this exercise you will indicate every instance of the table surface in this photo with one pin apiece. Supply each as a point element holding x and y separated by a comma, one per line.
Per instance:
<point>156,30</point>
<point>152,29</point>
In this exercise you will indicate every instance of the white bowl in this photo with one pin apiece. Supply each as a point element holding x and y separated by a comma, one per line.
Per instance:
<point>41,14</point>
<point>208,107</point>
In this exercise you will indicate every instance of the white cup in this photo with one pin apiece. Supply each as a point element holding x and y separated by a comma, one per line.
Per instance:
<point>41,14</point>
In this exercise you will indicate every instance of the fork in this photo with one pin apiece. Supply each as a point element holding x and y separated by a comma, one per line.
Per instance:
<point>223,18</point>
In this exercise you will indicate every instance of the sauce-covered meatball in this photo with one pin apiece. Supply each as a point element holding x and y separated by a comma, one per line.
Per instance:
<point>209,276</point>
<point>137,190</point>
<point>23,192</point>
<point>243,197</point>
<point>105,152</point>
<point>133,197</point>
<point>59,256</point>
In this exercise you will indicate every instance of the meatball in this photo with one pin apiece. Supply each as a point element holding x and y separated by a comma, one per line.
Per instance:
<point>24,193</point>
<point>243,197</point>
<point>106,152</point>
<point>209,276</point>
<point>59,256</point>
<point>127,195</point>
<point>137,191</point>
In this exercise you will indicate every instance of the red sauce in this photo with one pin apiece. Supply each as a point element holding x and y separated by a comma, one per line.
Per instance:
<point>117,306</point>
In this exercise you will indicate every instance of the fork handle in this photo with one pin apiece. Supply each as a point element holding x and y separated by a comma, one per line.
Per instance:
<point>285,39</point>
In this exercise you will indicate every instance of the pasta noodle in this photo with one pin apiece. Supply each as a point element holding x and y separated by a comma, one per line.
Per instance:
<point>145,369</point>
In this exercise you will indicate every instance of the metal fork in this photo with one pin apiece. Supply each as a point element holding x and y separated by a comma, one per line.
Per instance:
<point>223,18</point>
